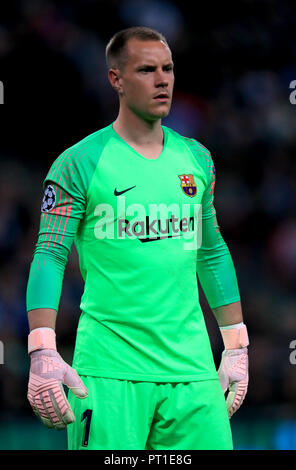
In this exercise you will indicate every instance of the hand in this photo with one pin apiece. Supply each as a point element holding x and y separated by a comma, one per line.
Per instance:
<point>45,391</point>
<point>234,376</point>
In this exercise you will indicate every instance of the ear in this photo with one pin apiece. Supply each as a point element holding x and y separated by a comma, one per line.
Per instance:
<point>114,79</point>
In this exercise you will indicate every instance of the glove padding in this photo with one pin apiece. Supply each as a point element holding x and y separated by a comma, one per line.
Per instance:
<point>234,376</point>
<point>45,390</point>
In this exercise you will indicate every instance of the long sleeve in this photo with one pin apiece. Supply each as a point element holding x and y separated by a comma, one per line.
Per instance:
<point>214,266</point>
<point>63,207</point>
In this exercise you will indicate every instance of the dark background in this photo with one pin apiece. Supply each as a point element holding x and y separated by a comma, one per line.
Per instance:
<point>234,63</point>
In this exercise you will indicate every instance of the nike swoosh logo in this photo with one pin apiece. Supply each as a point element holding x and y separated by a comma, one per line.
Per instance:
<point>143,240</point>
<point>118,193</point>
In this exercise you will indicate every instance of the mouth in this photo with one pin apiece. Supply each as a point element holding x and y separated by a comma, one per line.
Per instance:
<point>162,97</point>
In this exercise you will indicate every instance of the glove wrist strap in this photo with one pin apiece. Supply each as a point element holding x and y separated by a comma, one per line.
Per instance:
<point>235,338</point>
<point>41,338</point>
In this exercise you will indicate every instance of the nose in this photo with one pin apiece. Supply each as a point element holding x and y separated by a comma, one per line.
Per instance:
<point>161,79</point>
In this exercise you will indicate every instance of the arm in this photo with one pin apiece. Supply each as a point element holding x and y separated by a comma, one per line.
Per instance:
<point>229,314</point>
<point>59,223</point>
<point>218,279</point>
<point>214,265</point>
<point>48,371</point>
<point>42,317</point>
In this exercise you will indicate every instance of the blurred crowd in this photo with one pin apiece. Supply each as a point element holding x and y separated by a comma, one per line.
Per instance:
<point>233,70</point>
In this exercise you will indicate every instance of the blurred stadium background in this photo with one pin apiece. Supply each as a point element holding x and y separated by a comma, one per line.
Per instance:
<point>234,64</point>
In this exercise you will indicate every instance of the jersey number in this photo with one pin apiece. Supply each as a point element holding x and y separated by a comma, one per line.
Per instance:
<point>87,417</point>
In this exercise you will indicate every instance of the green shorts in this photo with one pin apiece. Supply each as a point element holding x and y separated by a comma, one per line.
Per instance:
<point>132,415</point>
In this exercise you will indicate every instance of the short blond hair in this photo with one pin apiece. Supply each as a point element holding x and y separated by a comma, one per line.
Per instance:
<point>116,50</point>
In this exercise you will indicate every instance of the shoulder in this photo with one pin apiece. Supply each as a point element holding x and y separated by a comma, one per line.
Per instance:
<point>201,153</point>
<point>82,155</point>
<point>92,143</point>
<point>77,163</point>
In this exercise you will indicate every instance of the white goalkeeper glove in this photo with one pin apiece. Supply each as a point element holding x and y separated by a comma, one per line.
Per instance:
<point>233,370</point>
<point>48,373</point>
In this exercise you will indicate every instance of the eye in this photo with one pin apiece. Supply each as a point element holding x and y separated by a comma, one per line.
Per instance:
<point>146,69</point>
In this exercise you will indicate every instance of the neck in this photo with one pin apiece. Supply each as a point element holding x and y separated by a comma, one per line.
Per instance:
<point>136,130</point>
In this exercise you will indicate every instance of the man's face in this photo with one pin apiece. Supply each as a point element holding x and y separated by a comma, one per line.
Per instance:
<point>147,79</point>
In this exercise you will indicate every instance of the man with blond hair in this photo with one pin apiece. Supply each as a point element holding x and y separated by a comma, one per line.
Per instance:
<point>137,199</point>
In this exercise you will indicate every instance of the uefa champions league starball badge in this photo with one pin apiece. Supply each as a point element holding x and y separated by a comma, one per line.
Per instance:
<point>49,199</point>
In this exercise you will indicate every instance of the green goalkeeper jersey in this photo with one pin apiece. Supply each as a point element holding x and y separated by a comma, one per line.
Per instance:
<point>144,229</point>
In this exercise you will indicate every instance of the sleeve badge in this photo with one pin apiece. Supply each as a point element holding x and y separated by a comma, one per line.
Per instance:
<point>49,199</point>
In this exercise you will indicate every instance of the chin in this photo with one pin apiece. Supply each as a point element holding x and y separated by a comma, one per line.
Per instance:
<point>162,114</point>
<point>155,115</point>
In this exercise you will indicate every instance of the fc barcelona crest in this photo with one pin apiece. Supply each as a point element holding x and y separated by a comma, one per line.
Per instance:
<point>188,185</point>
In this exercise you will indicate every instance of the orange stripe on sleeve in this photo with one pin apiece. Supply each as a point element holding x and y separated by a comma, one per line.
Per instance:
<point>68,216</point>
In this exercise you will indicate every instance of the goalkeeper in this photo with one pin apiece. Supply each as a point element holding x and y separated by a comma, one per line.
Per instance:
<point>128,196</point>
